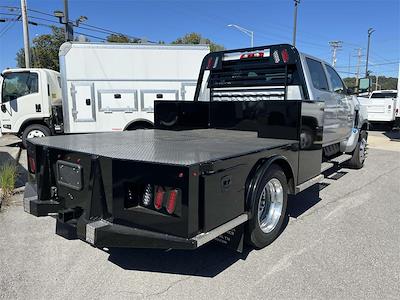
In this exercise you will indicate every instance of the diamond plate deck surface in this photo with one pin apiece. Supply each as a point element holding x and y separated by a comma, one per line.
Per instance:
<point>187,147</point>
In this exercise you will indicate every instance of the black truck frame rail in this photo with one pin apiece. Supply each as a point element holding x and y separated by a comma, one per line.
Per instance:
<point>205,156</point>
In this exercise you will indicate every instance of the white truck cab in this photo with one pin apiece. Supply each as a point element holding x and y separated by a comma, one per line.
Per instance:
<point>28,97</point>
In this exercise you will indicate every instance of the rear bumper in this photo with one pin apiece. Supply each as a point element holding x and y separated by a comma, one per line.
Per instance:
<point>106,234</point>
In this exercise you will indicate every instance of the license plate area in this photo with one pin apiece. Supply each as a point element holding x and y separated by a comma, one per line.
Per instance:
<point>69,175</point>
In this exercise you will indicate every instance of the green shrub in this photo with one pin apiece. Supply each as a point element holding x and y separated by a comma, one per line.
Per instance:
<point>8,175</point>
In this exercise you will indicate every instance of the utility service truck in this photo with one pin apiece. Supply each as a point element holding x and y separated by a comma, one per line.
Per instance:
<point>265,122</point>
<point>382,107</point>
<point>101,87</point>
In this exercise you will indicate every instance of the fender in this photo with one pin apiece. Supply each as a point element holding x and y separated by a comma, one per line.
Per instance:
<point>139,121</point>
<point>258,173</point>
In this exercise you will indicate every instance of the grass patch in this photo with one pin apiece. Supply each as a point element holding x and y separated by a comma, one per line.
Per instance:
<point>8,176</point>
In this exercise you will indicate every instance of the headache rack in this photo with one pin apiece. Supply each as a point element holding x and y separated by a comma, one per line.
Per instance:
<point>253,74</point>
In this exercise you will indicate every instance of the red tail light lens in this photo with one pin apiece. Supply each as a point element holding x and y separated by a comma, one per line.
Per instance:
<point>158,200</point>
<point>31,165</point>
<point>171,204</point>
<point>285,55</point>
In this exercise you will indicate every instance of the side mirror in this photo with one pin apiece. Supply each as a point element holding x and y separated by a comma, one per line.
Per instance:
<point>364,84</point>
<point>3,108</point>
<point>350,91</point>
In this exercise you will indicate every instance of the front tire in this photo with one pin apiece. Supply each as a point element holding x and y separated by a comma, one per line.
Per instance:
<point>34,131</point>
<point>268,209</point>
<point>359,154</point>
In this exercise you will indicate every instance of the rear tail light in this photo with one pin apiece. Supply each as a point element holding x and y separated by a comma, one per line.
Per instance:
<point>285,55</point>
<point>159,198</point>
<point>171,203</point>
<point>148,195</point>
<point>31,165</point>
<point>252,55</point>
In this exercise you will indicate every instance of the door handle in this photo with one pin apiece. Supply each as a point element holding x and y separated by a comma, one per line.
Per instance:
<point>88,101</point>
<point>3,108</point>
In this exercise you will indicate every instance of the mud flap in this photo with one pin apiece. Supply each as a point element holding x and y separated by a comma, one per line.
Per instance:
<point>232,239</point>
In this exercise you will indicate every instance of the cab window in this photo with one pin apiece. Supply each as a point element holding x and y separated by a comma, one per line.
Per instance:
<point>317,74</point>
<point>335,80</point>
<point>19,84</point>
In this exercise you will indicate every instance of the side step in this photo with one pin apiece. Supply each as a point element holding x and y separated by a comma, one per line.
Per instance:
<point>308,183</point>
<point>341,159</point>
<point>335,161</point>
<point>324,167</point>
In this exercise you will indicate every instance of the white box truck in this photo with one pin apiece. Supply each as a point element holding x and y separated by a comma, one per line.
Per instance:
<point>100,87</point>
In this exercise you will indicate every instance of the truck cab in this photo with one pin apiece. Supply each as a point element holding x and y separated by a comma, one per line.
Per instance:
<point>28,98</point>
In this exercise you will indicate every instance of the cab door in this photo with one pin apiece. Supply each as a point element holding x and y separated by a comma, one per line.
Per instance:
<point>344,103</point>
<point>20,99</point>
<point>319,89</point>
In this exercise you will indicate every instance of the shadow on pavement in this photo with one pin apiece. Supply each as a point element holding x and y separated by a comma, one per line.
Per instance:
<point>22,172</point>
<point>393,135</point>
<point>302,202</point>
<point>207,261</point>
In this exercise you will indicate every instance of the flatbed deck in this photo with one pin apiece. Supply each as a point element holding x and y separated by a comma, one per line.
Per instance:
<point>187,147</point>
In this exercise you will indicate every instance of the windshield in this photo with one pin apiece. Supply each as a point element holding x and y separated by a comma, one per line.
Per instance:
<point>18,84</point>
<point>384,95</point>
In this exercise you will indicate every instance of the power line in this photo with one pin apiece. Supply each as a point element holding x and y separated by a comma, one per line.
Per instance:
<point>382,64</point>
<point>82,26</point>
<point>9,26</point>
<point>92,36</point>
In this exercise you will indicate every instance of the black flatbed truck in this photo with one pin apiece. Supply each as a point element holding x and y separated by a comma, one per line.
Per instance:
<point>209,170</point>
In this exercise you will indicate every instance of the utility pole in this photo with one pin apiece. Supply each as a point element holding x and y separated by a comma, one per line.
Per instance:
<point>348,68</point>
<point>359,56</point>
<point>296,3</point>
<point>370,31</point>
<point>335,45</point>
<point>69,33</point>
<point>26,34</point>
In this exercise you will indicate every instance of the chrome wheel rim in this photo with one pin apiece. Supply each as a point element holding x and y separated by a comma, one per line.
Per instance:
<point>270,205</point>
<point>363,148</point>
<point>35,134</point>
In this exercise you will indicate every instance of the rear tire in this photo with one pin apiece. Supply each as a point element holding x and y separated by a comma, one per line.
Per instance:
<point>268,208</point>
<point>359,154</point>
<point>32,131</point>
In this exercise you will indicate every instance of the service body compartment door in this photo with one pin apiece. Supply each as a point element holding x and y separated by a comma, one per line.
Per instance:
<point>117,100</point>
<point>83,106</point>
<point>223,196</point>
<point>148,97</point>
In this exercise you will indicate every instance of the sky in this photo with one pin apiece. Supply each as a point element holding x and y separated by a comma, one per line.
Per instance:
<point>319,21</point>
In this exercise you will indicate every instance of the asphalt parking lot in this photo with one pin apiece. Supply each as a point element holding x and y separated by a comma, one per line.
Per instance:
<point>342,241</point>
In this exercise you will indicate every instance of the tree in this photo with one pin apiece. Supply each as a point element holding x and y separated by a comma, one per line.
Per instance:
<point>384,83</point>
<point>120,38</point>
<point>44,50</point>
<point>196,38</point>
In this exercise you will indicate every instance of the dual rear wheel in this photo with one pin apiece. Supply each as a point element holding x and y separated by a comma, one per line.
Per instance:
<point>268,207</point>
